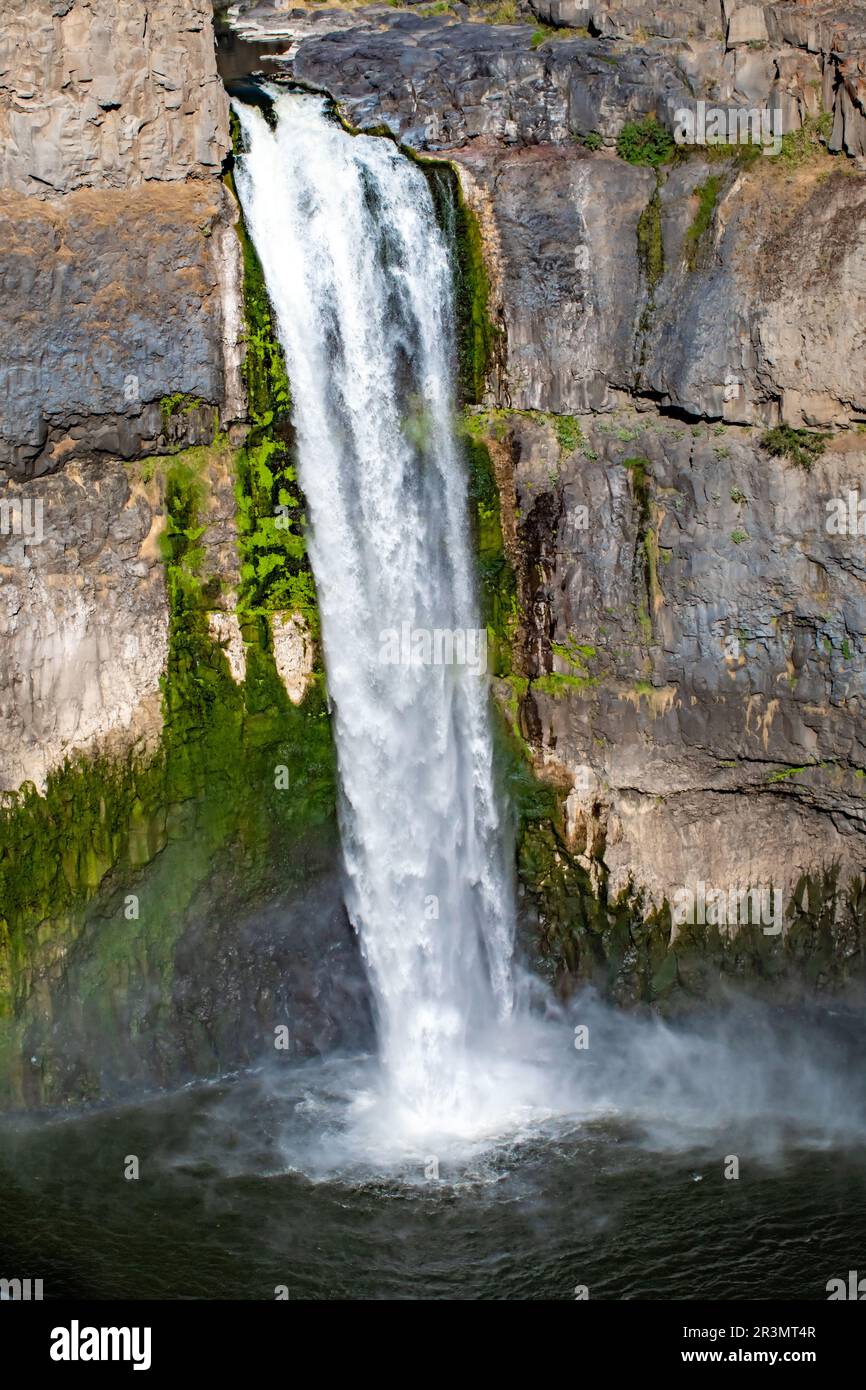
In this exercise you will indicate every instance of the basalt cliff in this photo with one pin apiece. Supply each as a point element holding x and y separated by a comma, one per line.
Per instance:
<point>663,401</point>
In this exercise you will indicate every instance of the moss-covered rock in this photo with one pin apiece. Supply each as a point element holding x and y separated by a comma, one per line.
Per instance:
<point>101,874</point>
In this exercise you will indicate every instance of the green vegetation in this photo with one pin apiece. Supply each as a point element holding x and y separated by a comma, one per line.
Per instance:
<point>494,424</point>
<point>496,577</point>
<point>542,32</point>
<point>477,333</point>
<point>708,197</point>
<point>651,257</point>
<point>802,447</point>
<point>811,140</point>
<point>575,655</point>
<point>556,683</point>
<point>744,156</point>
<point>647,551</point>
<point>201,811</point>
<point>645,142</point>
<point>178,404</point>
<point>786,774</point>
<point>739,536</point>
<point>275,570</point>
<point>640,473</point>
<point>568,432</point>
<point>200,807</point>
<point>505,12</point>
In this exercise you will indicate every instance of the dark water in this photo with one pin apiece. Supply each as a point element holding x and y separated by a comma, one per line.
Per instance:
<point>217,1212</point>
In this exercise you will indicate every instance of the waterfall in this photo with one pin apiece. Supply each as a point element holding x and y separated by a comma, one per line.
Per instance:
<point>360,278</point>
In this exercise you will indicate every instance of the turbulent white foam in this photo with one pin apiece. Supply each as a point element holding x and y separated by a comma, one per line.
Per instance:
<point>360,279</point>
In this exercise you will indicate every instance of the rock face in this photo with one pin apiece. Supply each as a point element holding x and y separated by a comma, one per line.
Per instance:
<point>108,94</point>
<point>83,622</point>
<point>120,266</point>
<point>112,301</point>
<point>164,905</point>
<point>769,324</point>
<point>293,653</point>
<point>119,336</point>
<point>706,637</point>
<point>579,324</point>
<point>690,662</point>
<point>437,85</point>
<point>760,319</point>
<point>562,231</point>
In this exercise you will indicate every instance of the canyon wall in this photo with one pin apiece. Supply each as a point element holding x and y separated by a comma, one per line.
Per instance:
<point>673,571</point>
<point>687,644</point>
<point>168,886</point>
<point>120,289</point>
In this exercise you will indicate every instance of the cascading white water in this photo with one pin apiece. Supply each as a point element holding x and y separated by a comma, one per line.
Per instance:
<point>360,279</point>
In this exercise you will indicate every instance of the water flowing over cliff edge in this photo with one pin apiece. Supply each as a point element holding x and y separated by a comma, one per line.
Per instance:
<point>360,279</point>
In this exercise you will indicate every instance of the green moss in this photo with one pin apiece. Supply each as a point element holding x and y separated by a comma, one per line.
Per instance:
<point>204,806</point>
<point>498,583</point>
<point>786,774</point>
<point>272,515</point>
<point>160,825</point>
<point>580,933</point>
<point>568,432</point>
<point>639,473</point>
<point>808,143</point>
<point>542,33</point>
<point>477,333</point>
<point>647,549</point>
<point>178,404</point>
<point>556,684</point>
<point>574,652</point>
<point>478,336</point>
<point>650,250</point>
<point>708,197</point>
<point>650,244</point>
